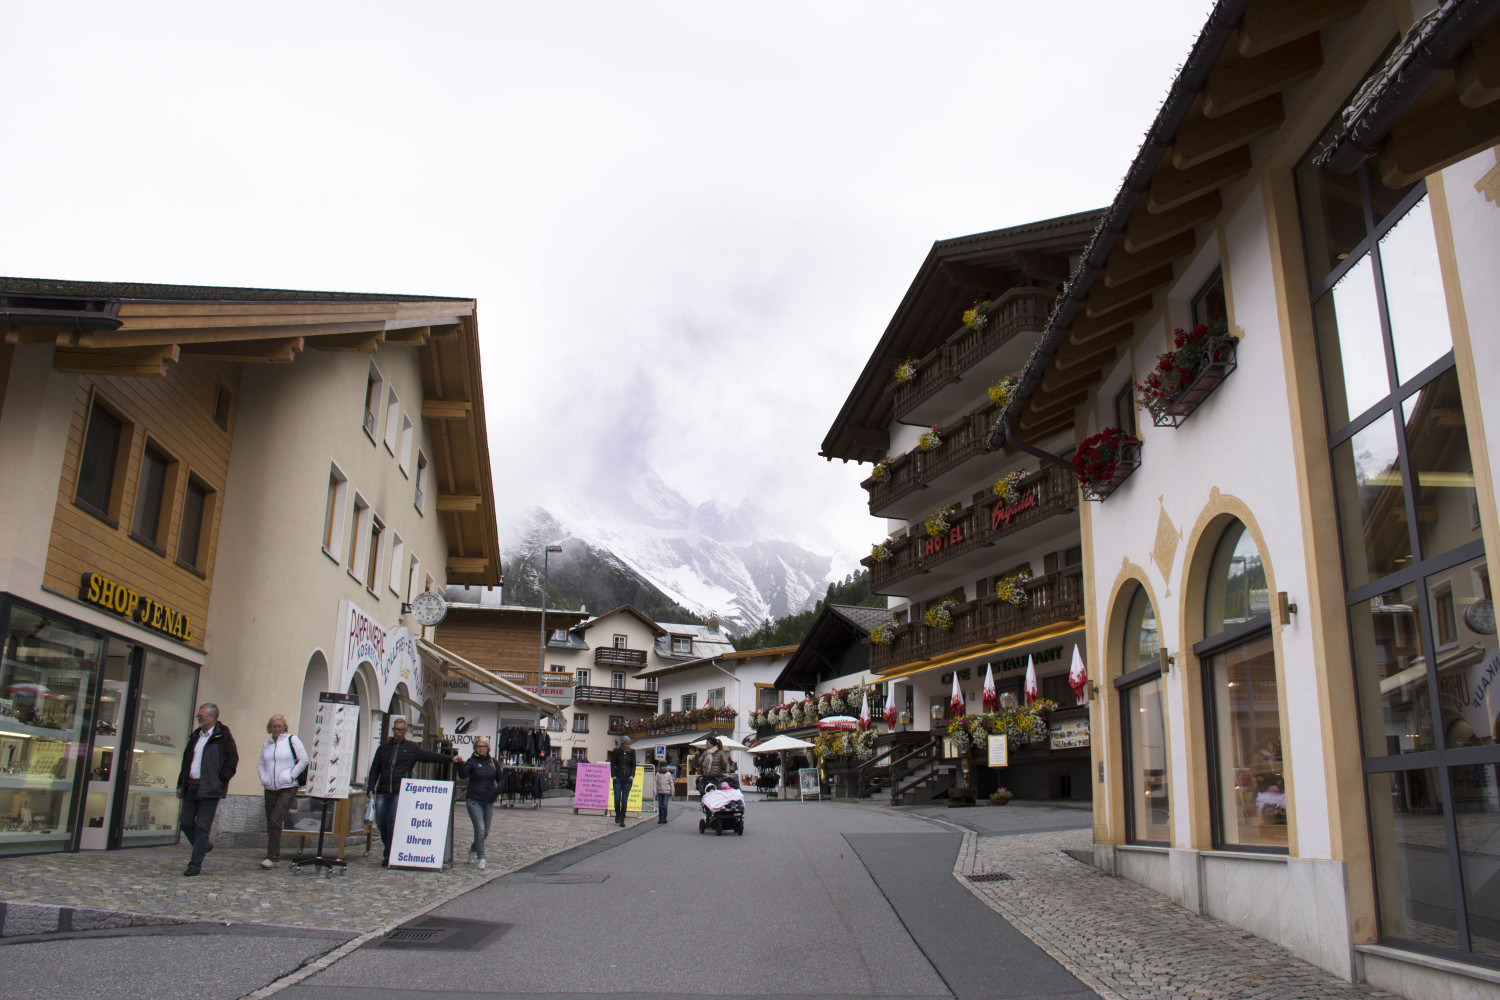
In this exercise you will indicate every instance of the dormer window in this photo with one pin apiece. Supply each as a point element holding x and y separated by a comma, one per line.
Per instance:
<point>682,644</point>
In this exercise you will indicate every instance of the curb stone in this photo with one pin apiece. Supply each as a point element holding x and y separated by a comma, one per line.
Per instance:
<point>29,919</point>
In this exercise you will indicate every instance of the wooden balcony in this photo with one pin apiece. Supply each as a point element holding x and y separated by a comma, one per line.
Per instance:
<point>616,696</point>
<point>1043,494</point>
<point>620,657</point>
<point>1056,599</point>
<point>974,356</point>
<point>550,678</point>
<point>635,731</point>
<point>910,476</point>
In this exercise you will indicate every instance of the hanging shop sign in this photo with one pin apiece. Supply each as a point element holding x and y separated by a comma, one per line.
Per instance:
<point>391,653</point>
<point>112,596</point>
<point>1070,734</point>
<point>421,838</point>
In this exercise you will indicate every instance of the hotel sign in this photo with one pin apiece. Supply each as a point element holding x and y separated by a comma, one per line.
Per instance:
<point>114,597</point>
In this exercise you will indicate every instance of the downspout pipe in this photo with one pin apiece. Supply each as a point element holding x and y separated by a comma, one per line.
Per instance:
<point>1431,48</point>
<point>1217,32</point>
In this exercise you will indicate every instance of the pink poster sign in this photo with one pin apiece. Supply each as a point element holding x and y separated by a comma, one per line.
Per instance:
<point>591,787</point>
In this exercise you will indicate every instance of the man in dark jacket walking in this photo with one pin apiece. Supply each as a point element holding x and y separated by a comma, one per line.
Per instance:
<point>622,769</point>
<point>208,762</point>
<point>392,765</point>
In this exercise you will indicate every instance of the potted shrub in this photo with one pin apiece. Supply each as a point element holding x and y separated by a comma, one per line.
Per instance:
<point>1183,378</point>
<point>1000,796</point>
<point>1104,461</point>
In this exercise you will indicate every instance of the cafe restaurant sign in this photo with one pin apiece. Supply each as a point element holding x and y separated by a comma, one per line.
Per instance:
<point>115,597</point>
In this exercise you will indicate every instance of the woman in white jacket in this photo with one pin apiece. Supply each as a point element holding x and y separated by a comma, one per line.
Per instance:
<point>283,766</point>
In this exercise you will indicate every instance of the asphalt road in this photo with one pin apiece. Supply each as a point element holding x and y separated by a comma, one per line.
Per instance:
<point>820,900</point>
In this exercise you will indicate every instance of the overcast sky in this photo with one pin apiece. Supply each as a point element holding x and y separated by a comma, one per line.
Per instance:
<point>686,224</point>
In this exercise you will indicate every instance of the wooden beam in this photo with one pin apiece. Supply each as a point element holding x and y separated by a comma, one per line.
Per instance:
<point>1478,70</point>
<point>1070,358</point>
<point>281,351</point>
<point>1122,265</point>
<point>1040,428</point>
<point>1085,329</point>
<point>1043,266</point>
<point>414,337</point>
<point>130,336</point>
<point>1055,380</point>
<point>31,335</point>
<point>466,566</point>
<point>1171,187</point>
<point>148,362</point>
<point>363,343</point>
<point>1269,24</point>
<point>1044,405</point>
<point>1103,299</point>
<point>1237,81</point>
<point>1436,137</point>
<point>457,502</point>
<point>1205,138</point>
<point>443,332</point>
<point>445,409</point>
<point>1147,229</point>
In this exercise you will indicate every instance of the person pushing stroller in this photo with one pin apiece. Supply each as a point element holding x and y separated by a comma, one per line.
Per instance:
<point>713,764</point>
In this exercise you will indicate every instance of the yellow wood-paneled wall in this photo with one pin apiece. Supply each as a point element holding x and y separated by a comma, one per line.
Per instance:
<point>497,640</point>
<point>176,414</point>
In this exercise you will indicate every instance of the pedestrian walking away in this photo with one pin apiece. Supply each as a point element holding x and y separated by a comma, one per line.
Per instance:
<point>666,777</point>
<point>622,769</point>
<point>484,788</point>
<point>208,762</point>
<point>392,765</point>
<point>283,768</point>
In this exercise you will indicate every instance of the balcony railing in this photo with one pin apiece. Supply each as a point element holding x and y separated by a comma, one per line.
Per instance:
<point>1043,494</point>
<point>616,696</point>
<point>1054,599</point>
<point>550,678</point>
<point>628,657</point>
<point>1018,311</point>
<point>634,730</point>
<point>917,469</point>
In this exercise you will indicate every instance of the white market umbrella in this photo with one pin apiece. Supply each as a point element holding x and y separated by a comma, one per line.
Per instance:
<point>782,742</point>
<point>725,742</point>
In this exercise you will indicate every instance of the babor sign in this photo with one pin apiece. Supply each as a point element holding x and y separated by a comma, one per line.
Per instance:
<point>421,837</point>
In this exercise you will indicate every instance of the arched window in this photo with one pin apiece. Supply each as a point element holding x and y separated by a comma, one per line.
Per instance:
<point>1241,701</point>
<point>1144,732</point>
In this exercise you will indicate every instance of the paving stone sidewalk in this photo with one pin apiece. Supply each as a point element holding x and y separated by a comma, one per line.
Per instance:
<point>146,885</point>
<point>1128,942</point>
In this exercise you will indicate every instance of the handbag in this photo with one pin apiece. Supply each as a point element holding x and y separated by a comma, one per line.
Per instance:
<point>370,811</point>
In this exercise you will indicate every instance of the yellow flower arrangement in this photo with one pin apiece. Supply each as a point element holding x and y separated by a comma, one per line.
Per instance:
<point>1012,589</point>
<point>881,470</point>
<point>938,522</point>
<point>883,635</point>
<point>975,317</point>
<point>931,440</point>
<point>940,615</point>
<point>1002,390</point>
<point>906,370</point>
<point>881,551</point>
<point>1008,488</point>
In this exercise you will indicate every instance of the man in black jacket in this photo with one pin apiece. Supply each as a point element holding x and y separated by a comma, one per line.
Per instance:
<point>622,769</point>
<point>208,762</point>
<point>392,765</point>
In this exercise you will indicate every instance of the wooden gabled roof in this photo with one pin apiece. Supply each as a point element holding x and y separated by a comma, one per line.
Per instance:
<point>141,330</point>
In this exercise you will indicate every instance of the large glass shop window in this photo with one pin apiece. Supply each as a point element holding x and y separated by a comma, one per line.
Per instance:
<point>1241,696</point>
<point>47,681</point>
<point>1417,581</point>
<point>1144,706</point>
<point>163,720</point>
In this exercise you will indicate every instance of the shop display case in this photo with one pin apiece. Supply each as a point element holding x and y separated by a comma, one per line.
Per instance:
<point>163,720</point>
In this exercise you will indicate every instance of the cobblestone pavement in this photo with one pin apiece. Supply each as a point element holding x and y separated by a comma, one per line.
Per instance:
<point>234,888</point>
<point>1128,942</point>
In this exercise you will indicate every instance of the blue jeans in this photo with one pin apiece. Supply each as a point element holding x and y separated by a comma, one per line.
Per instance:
<point>662,798</point>
<point>480,814</point>
<point>385,820</point>
<point>196,819</point>
<point>622,796</point>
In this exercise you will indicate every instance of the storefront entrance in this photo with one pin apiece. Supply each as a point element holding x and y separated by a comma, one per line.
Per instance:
<point>92,728</point>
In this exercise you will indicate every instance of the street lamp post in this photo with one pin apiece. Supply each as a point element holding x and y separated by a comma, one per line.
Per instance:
<point>541,657</point>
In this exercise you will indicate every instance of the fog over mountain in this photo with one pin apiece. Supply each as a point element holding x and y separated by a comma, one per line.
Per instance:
<point>642,543</point>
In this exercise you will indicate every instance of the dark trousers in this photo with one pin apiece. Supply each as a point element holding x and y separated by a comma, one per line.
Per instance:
<point>278,804</point>
<point>196,819</point>
<point>662,798</point>
<point>622,796</point>
<point>385,820</point>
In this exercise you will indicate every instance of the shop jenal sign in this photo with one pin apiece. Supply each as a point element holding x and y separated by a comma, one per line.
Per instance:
<point>102,592</point>
<point>391,654</point>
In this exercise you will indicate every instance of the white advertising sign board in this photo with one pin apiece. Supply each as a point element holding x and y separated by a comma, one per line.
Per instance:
<point>807,781</point>
<point>331,751</point>
<point>999,751</point>
<point>421,837</point>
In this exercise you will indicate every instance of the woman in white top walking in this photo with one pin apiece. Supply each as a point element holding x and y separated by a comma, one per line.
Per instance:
<point>283,766</point>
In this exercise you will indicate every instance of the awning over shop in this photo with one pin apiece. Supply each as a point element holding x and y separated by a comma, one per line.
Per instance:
<point>977,657</point>
<point>675,739</point>
<point>454,663</point>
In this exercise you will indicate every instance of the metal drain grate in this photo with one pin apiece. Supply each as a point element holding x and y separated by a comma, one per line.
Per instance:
<point>570,878</point>
<point>408,936</point>
<point>441,933</point>
<point>992,877</point>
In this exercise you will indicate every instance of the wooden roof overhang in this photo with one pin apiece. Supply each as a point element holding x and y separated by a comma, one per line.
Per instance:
<point>1229,93</point>
<point>956,274</point>
<point>140,330</point>
<point>816,658</point>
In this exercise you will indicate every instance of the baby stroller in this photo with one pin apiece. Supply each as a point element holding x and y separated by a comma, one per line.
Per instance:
<point>723,809</point>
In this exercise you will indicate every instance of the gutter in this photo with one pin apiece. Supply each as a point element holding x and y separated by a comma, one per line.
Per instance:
<point>1431,48</point>
<point>1222,22</point>
<point>90,320</point>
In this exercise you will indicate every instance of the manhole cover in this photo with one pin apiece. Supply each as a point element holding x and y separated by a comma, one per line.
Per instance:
<point>992,877</point>
<point>569,878</point>
<point>441,933</point>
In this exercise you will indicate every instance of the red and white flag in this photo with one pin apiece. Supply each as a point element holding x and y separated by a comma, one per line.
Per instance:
<point>891,715</point>
<point>991,699</point>
<point>864,711</point>
<point>1033,690</point>
<point>957,701</point>
<point>1078,678</point>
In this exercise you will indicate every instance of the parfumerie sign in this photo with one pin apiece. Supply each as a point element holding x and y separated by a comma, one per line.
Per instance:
<point>102,592</point>
<point>422,824</point>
